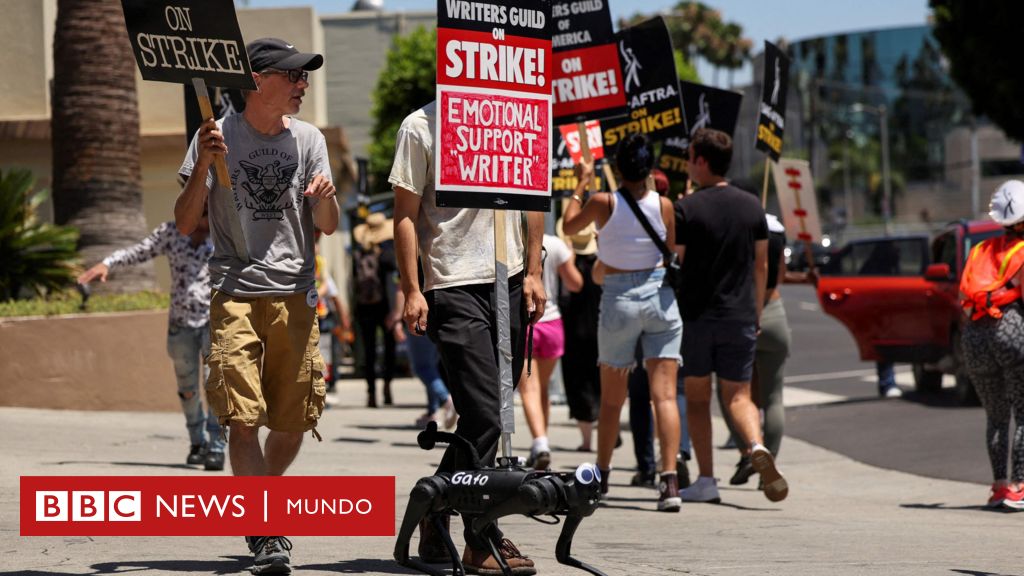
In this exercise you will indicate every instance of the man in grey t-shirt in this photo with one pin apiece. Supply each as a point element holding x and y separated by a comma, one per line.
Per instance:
<point>265,365</point>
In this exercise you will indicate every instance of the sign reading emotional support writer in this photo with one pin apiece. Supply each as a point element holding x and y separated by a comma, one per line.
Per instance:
<point>178,40</point>
<point>493,104</point>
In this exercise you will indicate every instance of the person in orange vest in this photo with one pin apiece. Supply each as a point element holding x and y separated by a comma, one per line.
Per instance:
<point>993,341</point>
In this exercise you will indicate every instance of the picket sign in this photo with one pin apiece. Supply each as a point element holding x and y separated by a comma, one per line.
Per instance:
<point>197,42</point>
<point>798,202</point>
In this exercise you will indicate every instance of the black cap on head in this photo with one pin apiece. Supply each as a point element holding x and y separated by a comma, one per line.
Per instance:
<point>277,54</point>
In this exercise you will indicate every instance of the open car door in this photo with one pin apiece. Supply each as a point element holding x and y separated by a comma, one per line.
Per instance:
<point>878,290</point>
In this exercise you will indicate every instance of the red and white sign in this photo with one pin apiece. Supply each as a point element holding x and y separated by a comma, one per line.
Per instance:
<point>207,505</point>
<point>493,140</point>
<point>797,200</point>
<point>595,140</point>
<point>588,84</point>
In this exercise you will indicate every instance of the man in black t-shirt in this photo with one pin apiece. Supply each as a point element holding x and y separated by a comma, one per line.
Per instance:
<point>722,239</point>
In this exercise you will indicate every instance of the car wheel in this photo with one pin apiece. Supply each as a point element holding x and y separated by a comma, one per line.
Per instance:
<point>963,392</point>
<point>925,380</point>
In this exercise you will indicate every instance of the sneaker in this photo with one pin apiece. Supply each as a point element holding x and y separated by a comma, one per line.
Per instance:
<point>682,470</point>
<point>214,461</point>
<point>421,421</point>
<point>668,493</point>
<point>483,563</point>
<point>270,554</point>
<point>1014,499</point>
<point>995,499</point>
<point>642,479</point>
<point>431,548</point>
<point>196,455</point>
<point>542,461</point>
<point>890,392</point>
<point>705,489</point>
<point>744,470</point>
<point>604,480</point>
<point>775,486</point>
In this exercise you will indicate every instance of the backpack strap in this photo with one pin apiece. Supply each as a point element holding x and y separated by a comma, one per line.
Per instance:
<point>665,253</point>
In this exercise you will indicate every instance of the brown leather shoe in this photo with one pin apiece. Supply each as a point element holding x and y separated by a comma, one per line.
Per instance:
<point>431,546</point>
<point>483,563</point>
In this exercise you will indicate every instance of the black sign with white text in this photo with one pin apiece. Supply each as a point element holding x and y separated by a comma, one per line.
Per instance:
<point>178,40</point>
<point>771,121</point>
<point>703,107</point>
<point>651,83</point>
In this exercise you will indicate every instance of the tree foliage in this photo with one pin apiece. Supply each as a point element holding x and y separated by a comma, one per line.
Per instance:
<point>407,82</point>
<point>980,41</point>
<point>35,257</point>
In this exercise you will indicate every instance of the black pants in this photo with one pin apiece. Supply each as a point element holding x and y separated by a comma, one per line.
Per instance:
<point>370,318</point>
<point>462,323</point>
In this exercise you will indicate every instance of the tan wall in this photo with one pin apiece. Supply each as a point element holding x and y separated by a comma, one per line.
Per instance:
<point>24,80</point>
<point>105,362</point>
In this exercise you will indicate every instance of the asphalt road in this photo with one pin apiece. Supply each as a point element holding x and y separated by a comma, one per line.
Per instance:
<point>923,434</point>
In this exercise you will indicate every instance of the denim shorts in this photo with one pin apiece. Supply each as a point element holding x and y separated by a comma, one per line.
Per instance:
<point>636,306</point>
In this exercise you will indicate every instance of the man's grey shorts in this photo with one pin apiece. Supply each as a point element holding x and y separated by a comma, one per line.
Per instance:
<point>723,347</point>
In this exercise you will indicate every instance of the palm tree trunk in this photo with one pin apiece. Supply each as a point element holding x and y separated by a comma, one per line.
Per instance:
<point>95,121</point>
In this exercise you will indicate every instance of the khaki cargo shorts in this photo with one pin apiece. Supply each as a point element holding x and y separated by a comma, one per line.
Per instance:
<point>265,364</point>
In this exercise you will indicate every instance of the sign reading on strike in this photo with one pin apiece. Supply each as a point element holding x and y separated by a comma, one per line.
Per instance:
<point>587,81</point>
<point>703,107</point>
<point>563,174</point>
<point>207,505</point>
<point>771,121</point>
<point>178,40</point>
<point>493,104</point>
<point>797,200</point>
<point>571,137</point>
<point>651,84</point>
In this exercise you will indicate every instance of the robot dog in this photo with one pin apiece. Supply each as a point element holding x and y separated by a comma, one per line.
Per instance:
<point>489,494</point>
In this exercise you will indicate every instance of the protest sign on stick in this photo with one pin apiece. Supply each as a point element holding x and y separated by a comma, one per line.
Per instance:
<point>798,203</point>
<point>703,107</point>
<point>194,42</point>
<point>494,104</point>
<point>587,75</point>
<point>771,121</point>
<point>651,84</point>
<point>564,158</point>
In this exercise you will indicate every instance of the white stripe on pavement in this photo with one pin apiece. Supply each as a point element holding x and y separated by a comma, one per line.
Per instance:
<point>830,376</point>
<point>793,396</point>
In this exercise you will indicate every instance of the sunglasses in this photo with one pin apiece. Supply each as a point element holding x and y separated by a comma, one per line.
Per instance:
<point>293,75</point>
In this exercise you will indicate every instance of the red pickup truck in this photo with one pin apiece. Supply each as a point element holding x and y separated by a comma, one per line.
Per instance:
<point>898,297</point>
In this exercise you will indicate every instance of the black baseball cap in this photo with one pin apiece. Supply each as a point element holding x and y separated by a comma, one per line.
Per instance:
<point>277,54</point>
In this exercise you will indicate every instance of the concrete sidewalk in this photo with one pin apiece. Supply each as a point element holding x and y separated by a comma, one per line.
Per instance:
<point>841,518</point>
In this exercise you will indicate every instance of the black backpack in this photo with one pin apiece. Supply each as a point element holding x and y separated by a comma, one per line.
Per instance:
<point>368,285</point>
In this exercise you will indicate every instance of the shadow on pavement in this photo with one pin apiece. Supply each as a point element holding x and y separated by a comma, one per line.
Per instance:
<point>979,572</point>
<point>227,565</point>
<point>941,506</point>
<point>367,566</point>
<point>356,440</point>
<point>134,464</point>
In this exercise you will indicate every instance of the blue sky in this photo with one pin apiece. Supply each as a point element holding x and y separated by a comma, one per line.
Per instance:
<point>761,20</point>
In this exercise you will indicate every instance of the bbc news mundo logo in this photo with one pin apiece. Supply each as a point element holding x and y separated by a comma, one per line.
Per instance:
<point>89,506</point>
<point>207,506</point>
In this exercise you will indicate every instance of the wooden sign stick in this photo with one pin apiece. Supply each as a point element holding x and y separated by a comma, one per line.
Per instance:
<point>764,188</point>
<point>221,167</point>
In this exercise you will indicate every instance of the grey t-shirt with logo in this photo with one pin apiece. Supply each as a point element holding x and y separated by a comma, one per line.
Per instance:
<point>268,176</point>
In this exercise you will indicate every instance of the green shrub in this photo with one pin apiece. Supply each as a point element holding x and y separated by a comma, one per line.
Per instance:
<point>35,257</point>
<point>70,302</point>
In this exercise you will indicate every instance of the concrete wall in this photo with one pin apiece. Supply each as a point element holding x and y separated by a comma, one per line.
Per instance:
<point>356,50</point>
<point>104,362</point>
<point>27,27</point>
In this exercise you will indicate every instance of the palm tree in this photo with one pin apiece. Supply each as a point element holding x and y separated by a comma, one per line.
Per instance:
<point>95,122</point>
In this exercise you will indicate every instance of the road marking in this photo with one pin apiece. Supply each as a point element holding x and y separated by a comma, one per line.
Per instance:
<point>793,396</point>
<point>830,376</point>
<point>809,306</point>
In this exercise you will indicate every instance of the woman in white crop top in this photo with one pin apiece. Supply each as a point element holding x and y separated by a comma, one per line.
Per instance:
<point>634,304</point>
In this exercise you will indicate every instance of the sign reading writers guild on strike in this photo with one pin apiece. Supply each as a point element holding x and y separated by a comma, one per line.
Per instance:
<point>771,121</point>
<point>587,76</point>
<point>192,42</point>
<point>651,84</point>
<point>703,107</point>
<point>494,104</point>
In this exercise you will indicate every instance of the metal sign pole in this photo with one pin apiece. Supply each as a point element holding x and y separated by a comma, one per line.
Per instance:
<point>501,311</point>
